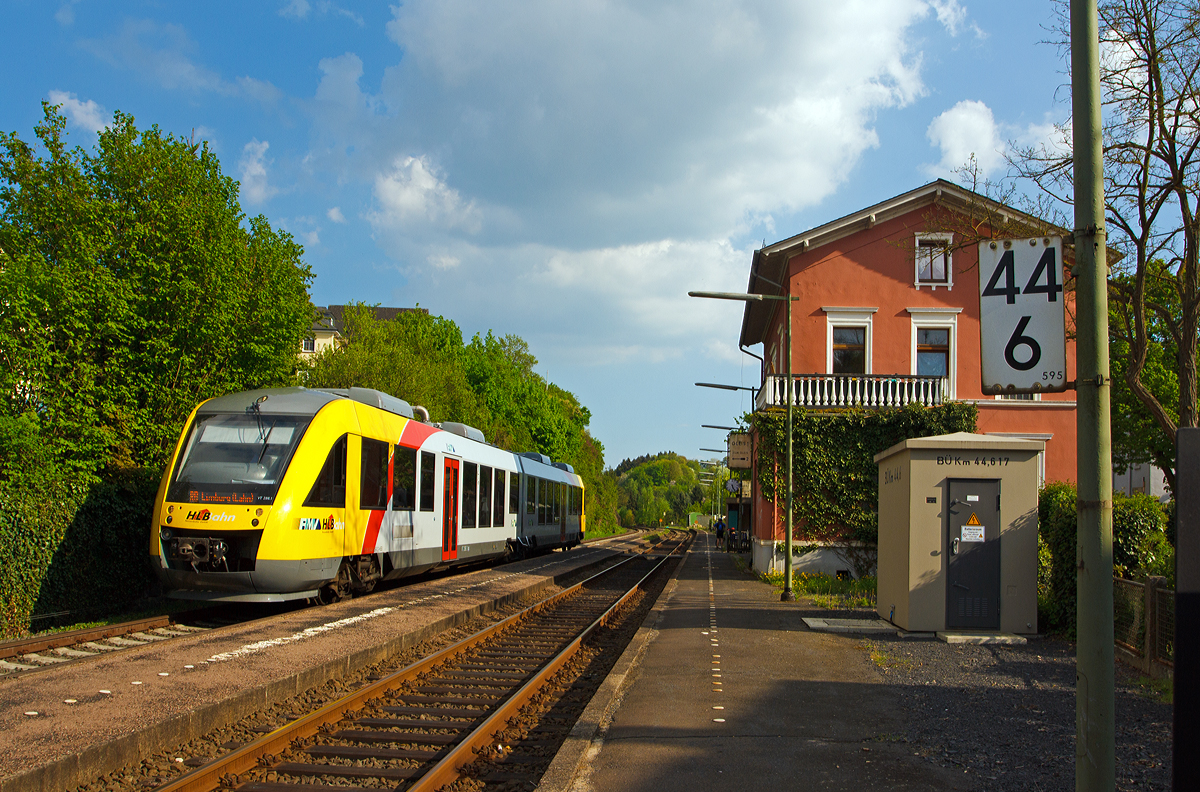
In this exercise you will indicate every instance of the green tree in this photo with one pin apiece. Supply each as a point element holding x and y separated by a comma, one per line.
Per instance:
<point>489,383</point>
<point>130,290</point>
<point>1149,83</point>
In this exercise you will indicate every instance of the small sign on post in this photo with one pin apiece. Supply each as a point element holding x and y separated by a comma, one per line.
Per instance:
<point>739,450</point>
<point>1022,320</point>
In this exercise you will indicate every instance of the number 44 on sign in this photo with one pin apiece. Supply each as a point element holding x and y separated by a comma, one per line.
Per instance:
<point>1022,319</point>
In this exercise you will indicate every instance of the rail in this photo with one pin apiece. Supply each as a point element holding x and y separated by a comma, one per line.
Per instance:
<point>842,391</point>
<point>444,767</point>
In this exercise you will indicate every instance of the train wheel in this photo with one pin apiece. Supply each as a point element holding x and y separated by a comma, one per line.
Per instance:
<point>339,589</point>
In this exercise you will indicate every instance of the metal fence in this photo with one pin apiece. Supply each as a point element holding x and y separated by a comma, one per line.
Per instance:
<point>1144,622</point>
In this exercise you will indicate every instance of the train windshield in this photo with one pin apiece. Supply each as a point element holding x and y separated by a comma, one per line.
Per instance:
<point>235,458</point>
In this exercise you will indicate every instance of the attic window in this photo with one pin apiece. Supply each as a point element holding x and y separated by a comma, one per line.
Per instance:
<point>934,263</point>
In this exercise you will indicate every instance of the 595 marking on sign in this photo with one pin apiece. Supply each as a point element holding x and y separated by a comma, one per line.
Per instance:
<point>1022,327</point>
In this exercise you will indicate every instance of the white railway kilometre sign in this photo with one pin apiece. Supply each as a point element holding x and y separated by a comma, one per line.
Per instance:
<point>1022,320</point>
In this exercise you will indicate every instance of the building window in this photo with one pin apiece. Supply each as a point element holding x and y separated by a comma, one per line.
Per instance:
<point>934,264</point>
<point>933,351</point>
<point>934,347</point>
<point>310,345</point>
<point>849,350</point>
<point>848,339</point>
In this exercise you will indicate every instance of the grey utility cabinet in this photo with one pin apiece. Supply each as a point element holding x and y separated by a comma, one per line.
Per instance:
<point>958,533</point>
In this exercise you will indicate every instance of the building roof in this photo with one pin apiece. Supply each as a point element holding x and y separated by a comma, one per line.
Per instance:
<point>767,270</point>
<point>331,317</point>
<point>963,441</point>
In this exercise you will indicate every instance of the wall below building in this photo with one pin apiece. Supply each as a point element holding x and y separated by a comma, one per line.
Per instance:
<point>823,561</point>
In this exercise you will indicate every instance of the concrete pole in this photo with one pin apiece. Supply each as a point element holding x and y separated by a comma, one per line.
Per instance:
<point>1094,736</point>
<point>788,595</point>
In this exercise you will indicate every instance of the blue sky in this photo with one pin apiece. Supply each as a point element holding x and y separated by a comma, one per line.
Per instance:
<point>563,171</point>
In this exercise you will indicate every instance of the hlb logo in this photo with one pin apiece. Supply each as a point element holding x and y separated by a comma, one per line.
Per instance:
<point>319,524</point>
<point>204,515</point>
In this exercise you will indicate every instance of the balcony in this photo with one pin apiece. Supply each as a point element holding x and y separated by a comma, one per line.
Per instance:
<point>844,391</point>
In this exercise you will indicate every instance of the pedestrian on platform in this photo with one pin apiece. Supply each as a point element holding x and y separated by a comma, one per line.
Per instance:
<point>720,532</point>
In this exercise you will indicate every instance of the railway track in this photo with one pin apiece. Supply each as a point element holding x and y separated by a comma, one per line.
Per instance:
<point>54,649</point>
<point>426,725</point>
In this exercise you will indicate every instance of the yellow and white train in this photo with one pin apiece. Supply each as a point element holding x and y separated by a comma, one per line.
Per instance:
<point>295,493</point>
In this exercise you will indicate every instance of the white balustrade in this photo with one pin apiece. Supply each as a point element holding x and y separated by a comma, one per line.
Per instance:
<point>834,391</point>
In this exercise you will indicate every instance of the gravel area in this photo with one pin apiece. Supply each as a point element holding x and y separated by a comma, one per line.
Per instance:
<point>1005,715</point>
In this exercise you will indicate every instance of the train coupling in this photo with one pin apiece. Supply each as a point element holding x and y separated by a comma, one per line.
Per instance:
<point>198,549</point>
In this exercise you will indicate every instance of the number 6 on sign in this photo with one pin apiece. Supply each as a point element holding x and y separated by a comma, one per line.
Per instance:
<point>1022,328</point>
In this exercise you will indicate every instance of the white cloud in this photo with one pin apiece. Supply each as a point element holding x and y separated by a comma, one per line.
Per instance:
<point>443,261</point>
<point>85,115</point>
<point>253,169</point>
<point>412,195</point>
<point>298,9</point>
<point>161,53</point>
<point>335,214</point>
<point>952,16</point>
<point>295,9</point>
<point>965,130</point>
<point>66,13</point>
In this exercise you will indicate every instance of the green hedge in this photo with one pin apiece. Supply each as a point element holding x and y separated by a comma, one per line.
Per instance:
<point>835,478</point>
<point>72,546</point>
<point>1141,546</point>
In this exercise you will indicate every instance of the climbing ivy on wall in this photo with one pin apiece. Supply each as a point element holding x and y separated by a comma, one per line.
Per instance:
<point>835,478</point>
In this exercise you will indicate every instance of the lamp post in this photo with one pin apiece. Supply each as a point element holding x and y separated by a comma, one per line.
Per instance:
<point>788,594</point>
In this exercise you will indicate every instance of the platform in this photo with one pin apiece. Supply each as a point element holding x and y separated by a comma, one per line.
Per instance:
<point>99,714</point>
<point>729,689</point>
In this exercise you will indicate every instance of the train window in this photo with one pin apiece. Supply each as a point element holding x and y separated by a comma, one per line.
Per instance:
<point>404,478</point>
<point>485,496</point>
<point>470,490</point>
<point>514,493</point>
<point>373,490</point>
<point>577,500</point>
<point>543,491</point>
<point>428,468</point>
<point>531,494</point>
<point>330,486</point>
<point>498,499</point>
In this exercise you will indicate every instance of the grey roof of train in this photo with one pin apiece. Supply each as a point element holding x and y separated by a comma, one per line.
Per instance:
<point>279,401</point>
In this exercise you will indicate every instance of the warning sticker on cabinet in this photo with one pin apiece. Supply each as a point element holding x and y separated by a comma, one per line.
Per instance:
<point>972,533</point>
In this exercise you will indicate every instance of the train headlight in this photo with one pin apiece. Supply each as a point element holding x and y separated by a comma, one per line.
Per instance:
<point>165,533</point>
<point>254,522</point>
<point>168,519</point>
<point>170,510</point>
<point>258,513</point>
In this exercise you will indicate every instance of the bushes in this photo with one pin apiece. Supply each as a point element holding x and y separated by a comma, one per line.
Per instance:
<point>70,545</point>
<point>1141,547</point>
<point>835,478</point>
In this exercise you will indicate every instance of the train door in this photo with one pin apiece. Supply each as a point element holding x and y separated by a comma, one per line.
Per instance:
<point>450,510</point>
<point>562,513</point>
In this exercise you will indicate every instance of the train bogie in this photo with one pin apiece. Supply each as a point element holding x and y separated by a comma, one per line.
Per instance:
<point>296,493</point>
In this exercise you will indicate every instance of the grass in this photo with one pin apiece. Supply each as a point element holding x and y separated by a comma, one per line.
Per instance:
<point>884,660</point>
<point>146,610</point>
<point>827,591</point>
<point>1160,689</point>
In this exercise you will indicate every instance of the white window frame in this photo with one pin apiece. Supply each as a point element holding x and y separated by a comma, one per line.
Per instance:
<point>943,239</point>
<point>849,317</point>
<point>936,319</point>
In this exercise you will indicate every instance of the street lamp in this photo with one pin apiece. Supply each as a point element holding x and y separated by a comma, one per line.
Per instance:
<point>788,594</point>
<point>719,386</point>
<point>711,426</point>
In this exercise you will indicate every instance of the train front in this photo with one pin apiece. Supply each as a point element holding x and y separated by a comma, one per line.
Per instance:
<point>216,500</point>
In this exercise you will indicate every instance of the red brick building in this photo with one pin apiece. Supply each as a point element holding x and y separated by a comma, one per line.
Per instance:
<point>888,313</point>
